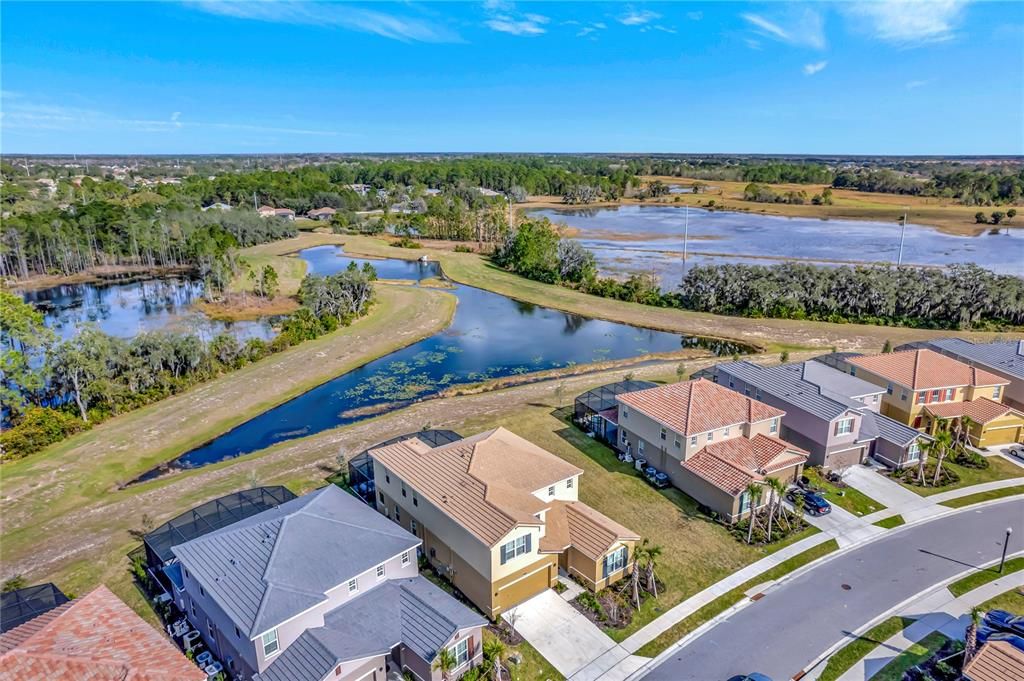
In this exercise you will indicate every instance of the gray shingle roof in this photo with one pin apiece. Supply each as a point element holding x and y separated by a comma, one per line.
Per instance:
<point>1006,357</point>
<point>276,564</point>
<point>895,432</point>
<point>790,382</point>
<point>411,611</point>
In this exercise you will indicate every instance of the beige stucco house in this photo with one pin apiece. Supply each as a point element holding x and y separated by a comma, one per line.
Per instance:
<point>499,516</point>
<point>712,442</point>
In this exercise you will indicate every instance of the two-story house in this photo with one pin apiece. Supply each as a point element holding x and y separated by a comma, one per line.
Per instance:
<point>831,414</point>
<point>712,442</point>
<point>321,587</point>
<point>499,516</point>
<point>1002,358</point>
<point>924,388</point>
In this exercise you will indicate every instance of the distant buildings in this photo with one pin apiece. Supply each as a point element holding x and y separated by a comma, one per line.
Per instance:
<point>217,206</point>
<point>321,214</point>
<point>270,211</point>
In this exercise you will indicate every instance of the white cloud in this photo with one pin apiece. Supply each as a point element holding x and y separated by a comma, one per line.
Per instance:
<point>634,17</point>
<point>695,16</point>
<point>802,28</point>
<point>909,22</point>
<point>331,15</point>
<point>811,69</point>
<point>914,84</point>
<point>505,23</point>
<point>752,44</point>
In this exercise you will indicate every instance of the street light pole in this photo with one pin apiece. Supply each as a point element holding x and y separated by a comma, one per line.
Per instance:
<point>1006,543</point>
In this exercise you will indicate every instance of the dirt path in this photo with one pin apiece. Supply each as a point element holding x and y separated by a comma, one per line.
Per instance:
<point>89,467</point>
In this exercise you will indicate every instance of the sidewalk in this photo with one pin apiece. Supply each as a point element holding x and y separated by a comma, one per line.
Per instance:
<point>939,611</point>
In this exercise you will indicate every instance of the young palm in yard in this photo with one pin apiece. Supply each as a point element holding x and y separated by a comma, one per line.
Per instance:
<point>754,492</point>
<point>653,551</point>
<point>926,449</point>
<point>639,557</point>
<point>494,653</point>
<point>943,443</point>
<point>972,634</point>
<point>775,489</point>
<point>445,662</point>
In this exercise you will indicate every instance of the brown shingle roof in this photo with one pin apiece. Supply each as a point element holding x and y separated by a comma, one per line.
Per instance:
<point>93,638</point>
<point>924,369</point>
<point>573,523</point>
<point>732,464</point>
<point>696,406</point>
<point>982,410</point>
<point>996,661</point>
<point>484,482</point>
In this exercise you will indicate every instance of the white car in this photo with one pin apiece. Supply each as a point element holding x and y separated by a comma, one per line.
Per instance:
<point>1016,450</point>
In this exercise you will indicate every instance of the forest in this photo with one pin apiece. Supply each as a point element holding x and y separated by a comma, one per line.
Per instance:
<point>51,389</point>
<point>962,297</point>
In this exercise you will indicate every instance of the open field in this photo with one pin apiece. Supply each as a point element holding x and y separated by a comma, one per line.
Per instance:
<point>943,214</point>
<point>772,334</point>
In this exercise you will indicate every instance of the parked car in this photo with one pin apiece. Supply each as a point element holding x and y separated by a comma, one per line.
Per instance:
<point>754,676</point>
<point>814,503</point>
<point>988,634</point>
<point>1005,621</point>
<point>1017,451</point>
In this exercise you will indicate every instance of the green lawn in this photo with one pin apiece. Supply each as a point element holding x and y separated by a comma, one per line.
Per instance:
<point>891,522</point>
<point>982,577</point>
<point>998,469</point>
<point>912,656</point>
<point>960,502</point>
<point>1012,601</point>
<point>849,498</point>
<point>533,667</point>
<point>727,600</point>
<point>852,652</point>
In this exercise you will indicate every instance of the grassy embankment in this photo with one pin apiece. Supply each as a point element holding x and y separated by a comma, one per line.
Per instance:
<point>1012,601</point>
<point>998,469</point>
<point>917,653</point>
<point>848,204</point>
<point>984,496</point>
<point>60,505</point>
<point>774,335</point>
<point>982,577</point>
<point>852,652</point>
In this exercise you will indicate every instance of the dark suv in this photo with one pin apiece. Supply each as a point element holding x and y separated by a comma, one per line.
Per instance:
<point>814,503</point>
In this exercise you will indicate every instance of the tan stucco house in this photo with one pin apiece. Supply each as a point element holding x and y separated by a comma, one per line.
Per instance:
<point>499,516</point>
<point>711,441</point>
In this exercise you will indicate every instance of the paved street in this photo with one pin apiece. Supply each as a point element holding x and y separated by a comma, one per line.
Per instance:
<point>802,617</point>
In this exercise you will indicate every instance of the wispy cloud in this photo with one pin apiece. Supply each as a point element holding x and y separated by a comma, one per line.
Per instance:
<point>914,84</point>
<point>695,16</point>
<point>331,15</point>
<point>804,28</point>
<point>815,67</point>
<point>505,19</point>
<point>635,17</point>
<point>909,22</point>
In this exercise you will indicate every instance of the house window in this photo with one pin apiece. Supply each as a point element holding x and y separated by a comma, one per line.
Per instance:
<point>398,514</point>
<point>996,391</point>
<point>380,496</point>
<point>921,397</point>
<point>732,384</point>
<point>757,394</point>
<point>568,483</point>
<point>746,391</point>
<point>640,447</point>
<point>664,434</point>
<point>775,426</point>
<point>270,644</point>
<point>693,440</point>
<point>844,427</point>
<point>551,491</point>
<point>935,396</point>
<point>888,389</point>
<point>380,571</point>
<point>193,604</point>
<point>461,651</point>
<point>516,547</point>
<point>903,395</point>
<point>725,433</point>
<point>202,592</point>
<point>874,398</point>
<point>949,394</point>
<point>625,412</point>
<point>353,586</point>
<point>711,435</point>
<point>677,442</point>
<point>387,477</point>
<point>238,634</point>
<point>625,436</point>
<point>403,489</point>
<point>415,501</point>
<point>853,371</point>
<point>412,524</point>
<point>616,561</point>
<point>186,573</point>
<point>913,452</point>
<point>405,559</point>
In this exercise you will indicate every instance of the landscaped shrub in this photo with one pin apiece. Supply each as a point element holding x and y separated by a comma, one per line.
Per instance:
<point>909,476</point>
<point>37,428</point>
<point>588,601</point>
<point>461,248</point>
<point>970,459</point>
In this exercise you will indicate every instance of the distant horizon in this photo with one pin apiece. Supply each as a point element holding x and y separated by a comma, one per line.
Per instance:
<point>624,154</point>
<point>882,79</point>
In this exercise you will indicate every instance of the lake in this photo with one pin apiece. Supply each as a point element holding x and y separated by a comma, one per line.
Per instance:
<point>650,239</point>
<point>491,336</point>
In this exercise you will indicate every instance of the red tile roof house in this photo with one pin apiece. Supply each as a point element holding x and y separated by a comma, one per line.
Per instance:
<point>270,211</point>
<point>711,441</point>
<point>93,638</point>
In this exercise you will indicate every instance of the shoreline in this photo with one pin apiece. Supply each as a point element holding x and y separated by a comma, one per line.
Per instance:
<point>104,274</point>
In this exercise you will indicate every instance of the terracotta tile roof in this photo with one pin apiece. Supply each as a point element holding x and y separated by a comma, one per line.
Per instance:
<point>484,482</point>
<point>924,369</point>
<point>696,406</point>
<point>93,638</point>
<point>982,410</point>
<point>573,523</point>
<point>996,661</point>
<point>732,464</point>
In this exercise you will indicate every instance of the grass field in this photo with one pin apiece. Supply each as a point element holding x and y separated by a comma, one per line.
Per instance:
<point>852,652</point>
<point>1011,601</point>
<point>533,666</point>
<point>999,469</point>
<point>911,657</point>
<point>849,498</point>
<point>774,335</point>
<point>891,522</point>
<point>982,577</point>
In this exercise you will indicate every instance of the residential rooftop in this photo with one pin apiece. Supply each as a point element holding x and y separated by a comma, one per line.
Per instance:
<point>924,369</point>
<point>982,410</point>
<point>697,406</point>
<point>573,523</point>
<point>484,482</point>
<point>272,566</point>
<point>1004,356</point>
<point>996,661</point>
<point>733,464</point>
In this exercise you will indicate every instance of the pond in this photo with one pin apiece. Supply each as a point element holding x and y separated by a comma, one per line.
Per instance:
<point>129,308</point>
<point>650,239</point>
<point>491,336</point>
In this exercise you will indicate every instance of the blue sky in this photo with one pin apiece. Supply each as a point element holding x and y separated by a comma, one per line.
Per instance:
<point>943,77</point>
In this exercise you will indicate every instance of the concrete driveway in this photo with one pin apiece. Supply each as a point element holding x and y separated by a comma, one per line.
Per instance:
<point>567,639</point>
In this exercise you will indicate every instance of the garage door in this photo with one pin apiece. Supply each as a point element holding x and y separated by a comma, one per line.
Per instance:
<point>1002,436</point>
<point>845,458</point>
<point>514,593</point>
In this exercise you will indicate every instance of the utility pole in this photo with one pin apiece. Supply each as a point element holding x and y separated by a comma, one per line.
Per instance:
<point>903,235</point>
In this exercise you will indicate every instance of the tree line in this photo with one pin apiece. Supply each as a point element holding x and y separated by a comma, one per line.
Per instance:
<point>50,389</point>
<point>765,194</point>
<point>962,296</point>
<point>971,187</point>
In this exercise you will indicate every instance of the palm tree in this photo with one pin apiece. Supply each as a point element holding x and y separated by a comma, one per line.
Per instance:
<point>965,429</point>
<point>445,662</point>
<point>494,653</point>
<point>925,449</point>
<point>652,551</point>
<point>942,444</point>
<point>639,556</point>
<point>754,492</point>
<point>775,490</point>
<point>972,634</point>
